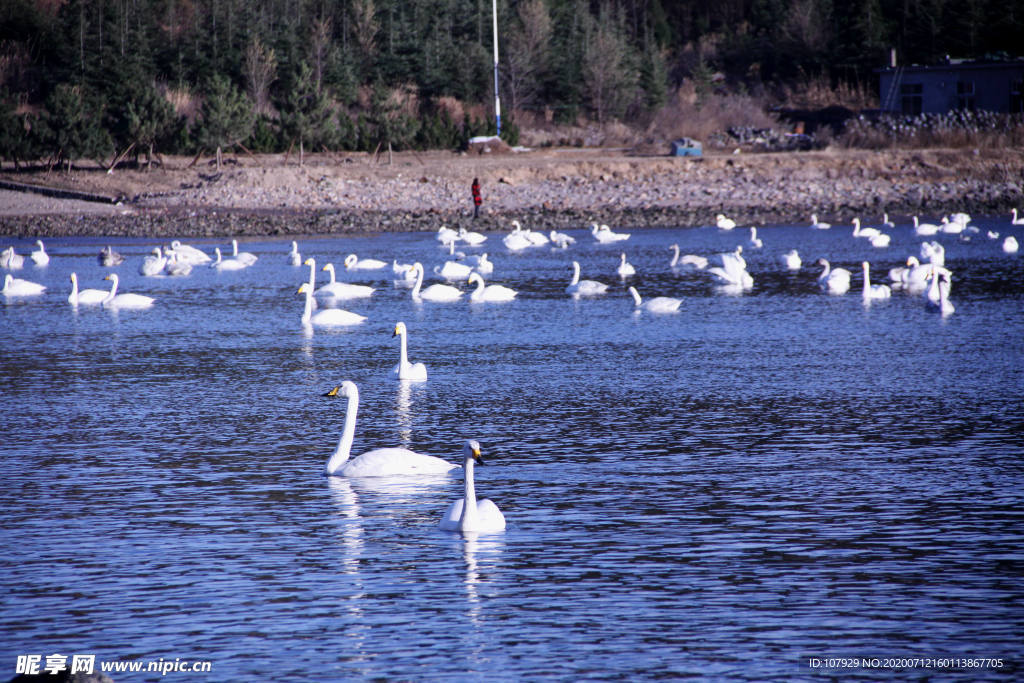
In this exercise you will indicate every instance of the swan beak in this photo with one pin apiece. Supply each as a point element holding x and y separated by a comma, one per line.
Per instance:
<point>477,457</point>
<point>333,392</point>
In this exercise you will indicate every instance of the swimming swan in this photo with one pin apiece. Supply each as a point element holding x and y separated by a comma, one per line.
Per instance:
<point>467,513</point>
<point>353,262</point>
<point>189,254</point>
<point>11,260</point>
<point>603,234</point>
<point>724,223</point>
<point>659,304</point>
<point>485,293</point>
<point>578,287</point>
<point>343,290</point>
<point>1010,245</point>
<point>329,317</point>
<point>127,300</point>
<point>698,262</point>
<point>819,225</point>
<point>226,264</point>
<point>153,264</point>
<point>85,296</point>
<point>294,257</point>
<point>108,257</point>
<point>871,291</point>
<point>39,256</point>
<point>379,462</point>
<point>414,372</point>
<point>755,241</point>
<point>625,269</point>
<point>15,286</point>
<point>833,280</point>
<point>245,257</point>
<point>436,292</point>
<point>791,259</point>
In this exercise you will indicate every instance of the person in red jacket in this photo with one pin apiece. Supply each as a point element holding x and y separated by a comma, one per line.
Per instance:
<point>476,197</point>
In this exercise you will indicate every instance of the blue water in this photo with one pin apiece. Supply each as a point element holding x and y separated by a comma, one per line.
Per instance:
<point>725,492</point>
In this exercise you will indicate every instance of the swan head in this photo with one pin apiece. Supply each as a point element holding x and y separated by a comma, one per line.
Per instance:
<point>471,451</point>
<point>400,330</point>
<point>308,262</point>
<point>475,278</point>
<point>327,266</point>
<point>351,260</point>
<point>516,226</point>
<point>304,288</point>
<point>822,262</point>
<point>912,261</point>
<point>346,389</point>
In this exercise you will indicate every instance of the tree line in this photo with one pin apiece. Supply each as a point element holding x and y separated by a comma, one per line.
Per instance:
<point>110,79</point>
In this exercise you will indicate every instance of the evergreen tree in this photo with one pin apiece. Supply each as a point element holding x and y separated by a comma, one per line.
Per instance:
<point>227,116</point>
<point>306,114</point>
<point>71,128</point>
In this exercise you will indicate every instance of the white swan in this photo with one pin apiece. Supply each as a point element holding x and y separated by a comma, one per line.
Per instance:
<point>379,462</point>
<point>819,225</point>
<point>537,239</point>
<point>579,287</point>
<point>39,256</point>
<point>485,293</point>
<point>625,269</point>
<point>924,229</point>
<point>724,223</point>
<point>446,235</point>
<point>698,262</point>
<point>153,264</point>
<point>755,241</point>
<point>1014,220</point>
<point>913,276</point>
<point>329,317</point>
<point>108,257</point>
<point>938,294</point>
<point>343,290</point>
<point>659,304</point>
<point>886,222</point>
<point>871,291</point>
<point>517,239</point>
<point>470,237</point>
<point>791,259</point>
<point>1010,245</point>
<point>453,271</point>
<point>467,513</point>
<point>880,240</point>
<point>435,292</point>
<point>733,271</point>
<point>85,296</point>
<point>353,262</point>
<point>226,264</point>
<point>603,234</point>
<point>933,252</point>
<point>126,300</point>
<point>413,372</point>
<point>480,264</point>
<point>245,257</point>
<point>15,286</point>
<point>294,257</point>
<point>561,239</point>
<point>952,227</point>
<point>992,235</point>
<point>189,254</point>
<point>833,280</point>
<point>864,232</point>
<point>11,260</point>
<point>175,267</point>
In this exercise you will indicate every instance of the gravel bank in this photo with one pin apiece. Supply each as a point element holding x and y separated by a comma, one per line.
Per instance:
<point>543,189</point>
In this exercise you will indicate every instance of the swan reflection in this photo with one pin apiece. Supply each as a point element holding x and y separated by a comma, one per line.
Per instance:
<point>403,405</point>
<point>481,555</point>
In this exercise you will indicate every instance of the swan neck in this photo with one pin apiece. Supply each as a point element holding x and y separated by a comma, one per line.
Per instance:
<point>575,273</point>
<point>479,291</point>
<point>470,518</point>
<point>74,289</point>
<point>403,357</point>
<point>307,312</point>
<point>419,283</point>
<point>341,454</point>
<point>312,272</point>
<point>636,295</point>
<point>675,256</point>
<point>113,288</point>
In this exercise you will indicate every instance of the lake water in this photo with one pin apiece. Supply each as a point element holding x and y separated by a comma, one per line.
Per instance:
<point>733,491</point>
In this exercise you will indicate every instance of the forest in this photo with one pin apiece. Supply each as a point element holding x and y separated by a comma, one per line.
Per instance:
<point>111,80</point>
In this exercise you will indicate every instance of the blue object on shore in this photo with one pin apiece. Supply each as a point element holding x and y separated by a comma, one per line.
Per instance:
<point>686,147</point>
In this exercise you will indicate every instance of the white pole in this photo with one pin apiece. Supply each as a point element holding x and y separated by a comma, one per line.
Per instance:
<point>497,101</point>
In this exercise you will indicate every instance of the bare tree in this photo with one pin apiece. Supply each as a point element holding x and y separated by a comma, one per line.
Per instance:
<point>365,26</point>
<point>527,53</point>
<point>260,73</point>
<point>320,48</point>
<point>608,72</point>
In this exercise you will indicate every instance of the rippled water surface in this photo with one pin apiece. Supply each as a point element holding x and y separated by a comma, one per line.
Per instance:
<point>728,491</point>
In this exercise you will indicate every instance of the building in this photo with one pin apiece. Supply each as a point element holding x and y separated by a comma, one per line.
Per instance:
<point>957,84</point>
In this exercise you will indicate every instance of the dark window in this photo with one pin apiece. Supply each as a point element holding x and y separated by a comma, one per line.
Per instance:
<point>911,98</point>
<point>965,95</point>
<point>1017,97</point>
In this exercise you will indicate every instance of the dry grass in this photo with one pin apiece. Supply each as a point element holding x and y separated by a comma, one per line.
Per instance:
<point>687,115</point>
<point>818,93</point>
<point>185,103</point>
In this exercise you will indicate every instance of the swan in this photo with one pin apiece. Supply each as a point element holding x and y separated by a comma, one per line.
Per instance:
<point>470,237</point>
<point>85,296</point>
<point>1010,245</point>
<point>39,256</point>
<point>880,240</point>
<point>537,239</point>
<point>401,270</point>
<point>226,264</point>
<point>992,235</point>
<point>343,290</point>
<point>951,227</point>
<point>1014,220</point>
<point>176,267</point>
<point>755,241</point>
<point>294,257</point>
<point>108,257</point>
<point>733,271</point>
<point>435,292</point>
<point>817,225</point>
<point>453,271</point>
<point>517,239</point>
<point>11,260</point>
<point>480,264</point>
<point>724,223</point>
<point>153,264</point>
<point>189,254</point>
<point>938,294</point>
<point>933,252</point>
<point>698,262</point>
<point>489,293</point>
<point>961,218</point>
<point>603,234</point>
<point>833,280</point>
<point>561,239</point>
<point>15,286</point>
<point>353,262</point>
<point>886,222</point>
<point>913,276</point>
<point>659,304</point>
<point>864,232</point>
<point>579,287</point>
<point>329,317</point>
<point>924,229</point>
<point>245,257</point>
<point>871,291</point>
<point>467,513</point>
<point>625,269</point>
<point>127,300</point>
<point>791,259</point>
<point>446,235</point>
<point>379,462</point>
<point>414,372</point>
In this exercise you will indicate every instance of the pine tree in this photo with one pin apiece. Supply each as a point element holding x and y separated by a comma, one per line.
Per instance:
<point>227,116</point>
<point>71,128</point>
<point>306,114</point>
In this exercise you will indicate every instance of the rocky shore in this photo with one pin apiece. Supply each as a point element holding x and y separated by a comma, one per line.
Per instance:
<point>554,188</point>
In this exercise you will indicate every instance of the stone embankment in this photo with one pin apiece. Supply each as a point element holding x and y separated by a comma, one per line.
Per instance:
<point>543,189</point>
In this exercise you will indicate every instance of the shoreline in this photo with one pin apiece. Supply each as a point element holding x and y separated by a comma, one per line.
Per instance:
<point>544,189</point>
